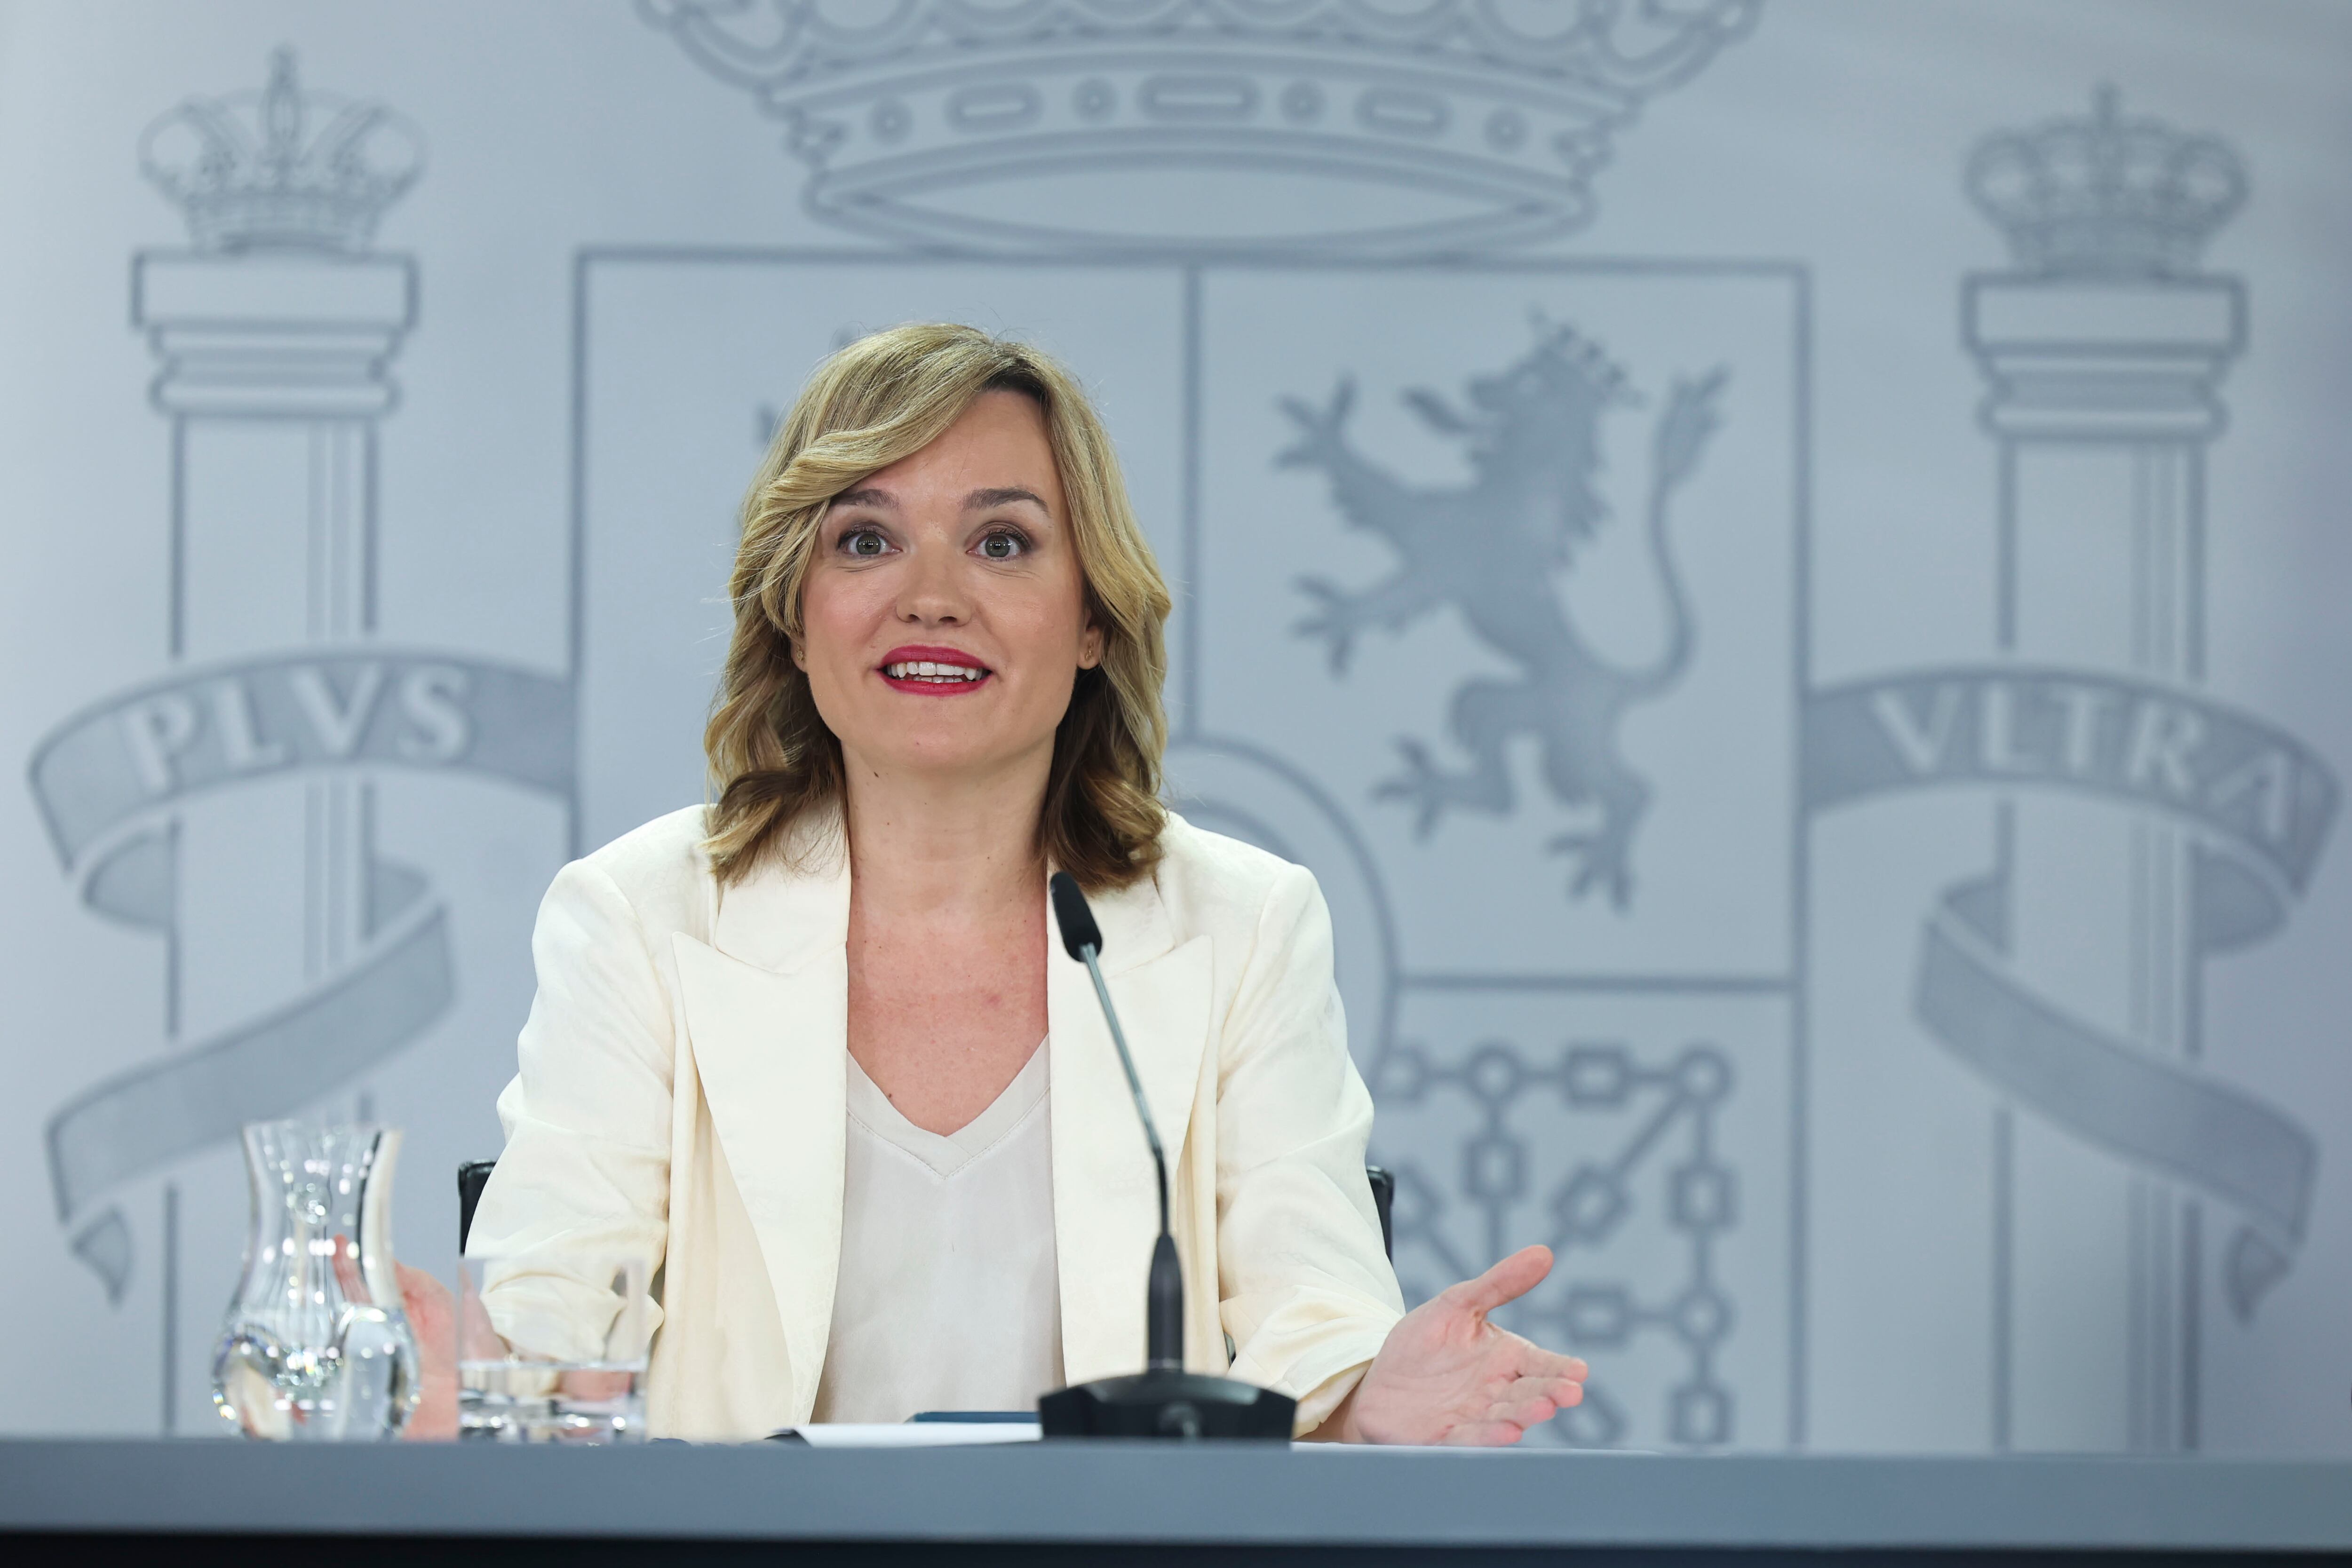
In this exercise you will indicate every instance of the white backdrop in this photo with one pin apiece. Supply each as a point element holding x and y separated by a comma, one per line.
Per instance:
<point>1880,540</point>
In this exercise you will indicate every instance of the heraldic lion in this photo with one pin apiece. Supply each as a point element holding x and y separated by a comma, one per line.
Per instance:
<point>1493,550</point>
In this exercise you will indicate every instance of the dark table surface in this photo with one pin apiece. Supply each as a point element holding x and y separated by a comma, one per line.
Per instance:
<point>1139,1492</point>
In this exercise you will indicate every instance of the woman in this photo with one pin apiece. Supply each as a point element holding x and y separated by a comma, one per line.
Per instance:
<point>810,1051</point>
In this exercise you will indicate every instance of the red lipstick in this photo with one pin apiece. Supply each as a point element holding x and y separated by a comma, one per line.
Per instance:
<point>933,672</point>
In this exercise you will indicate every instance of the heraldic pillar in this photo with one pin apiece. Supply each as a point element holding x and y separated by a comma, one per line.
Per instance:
<point>273,379</point>
<point>2102,348</point>
<point>274,333</point>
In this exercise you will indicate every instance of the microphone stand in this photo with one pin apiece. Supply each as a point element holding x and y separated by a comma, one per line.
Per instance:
<point>1163,1400</point>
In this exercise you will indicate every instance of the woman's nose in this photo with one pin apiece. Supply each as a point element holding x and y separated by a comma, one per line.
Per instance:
<point>933,593</point>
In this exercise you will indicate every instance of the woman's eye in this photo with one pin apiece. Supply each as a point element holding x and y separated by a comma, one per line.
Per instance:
<point>863,541</point>
<point>1003,547</point>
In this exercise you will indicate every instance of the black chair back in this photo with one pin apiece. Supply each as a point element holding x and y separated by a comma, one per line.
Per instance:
<point>1384,1199</point>
<point>472,1177</point>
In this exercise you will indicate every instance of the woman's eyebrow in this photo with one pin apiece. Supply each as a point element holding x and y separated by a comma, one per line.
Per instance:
<point>866,498</point>
<point>979,499</point>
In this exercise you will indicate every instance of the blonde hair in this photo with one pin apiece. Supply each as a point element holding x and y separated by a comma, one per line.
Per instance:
<point>883,398</point>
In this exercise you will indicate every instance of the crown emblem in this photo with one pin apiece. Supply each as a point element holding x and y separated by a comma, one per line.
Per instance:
<point>1355,125</point>
<point>249,175</point>
<point>2106,196</point>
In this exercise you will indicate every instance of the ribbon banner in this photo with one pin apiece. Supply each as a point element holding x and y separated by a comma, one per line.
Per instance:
<point>2261,803</point>
<point>110,781</point>
<point>133,755</point>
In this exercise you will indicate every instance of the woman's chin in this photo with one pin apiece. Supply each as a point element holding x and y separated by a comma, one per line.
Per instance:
<point>952,752</point>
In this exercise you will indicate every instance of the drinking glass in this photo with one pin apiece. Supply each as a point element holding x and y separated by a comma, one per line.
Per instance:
<point>551,1349</point>
<point>316,1347</point>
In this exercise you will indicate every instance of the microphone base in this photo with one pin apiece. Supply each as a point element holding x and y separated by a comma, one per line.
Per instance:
<point>1178,1405</point>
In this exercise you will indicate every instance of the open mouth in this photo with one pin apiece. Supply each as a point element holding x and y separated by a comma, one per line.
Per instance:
<point>931,670</point>
<point>942,672</point>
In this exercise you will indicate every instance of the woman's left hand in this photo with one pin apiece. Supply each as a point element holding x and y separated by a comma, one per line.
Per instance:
<point>1447,1375</point>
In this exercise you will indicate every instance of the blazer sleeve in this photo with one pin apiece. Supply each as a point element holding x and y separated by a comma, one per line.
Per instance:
<point>585,1172</point>
<point>1306,1291</point>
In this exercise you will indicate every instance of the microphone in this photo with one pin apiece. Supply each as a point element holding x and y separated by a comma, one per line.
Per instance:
<point>1164,1400</point>
<point>1163,1310</point>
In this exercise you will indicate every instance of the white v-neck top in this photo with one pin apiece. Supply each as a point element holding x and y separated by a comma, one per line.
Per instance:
<point>949,1296</point>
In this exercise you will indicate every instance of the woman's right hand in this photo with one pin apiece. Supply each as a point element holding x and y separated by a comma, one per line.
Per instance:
<point>433,1321</point>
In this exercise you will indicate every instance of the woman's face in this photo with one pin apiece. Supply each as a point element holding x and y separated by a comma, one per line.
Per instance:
<point>944,615</point>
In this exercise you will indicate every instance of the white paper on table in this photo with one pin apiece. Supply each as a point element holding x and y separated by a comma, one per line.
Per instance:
<point>912,1433</point>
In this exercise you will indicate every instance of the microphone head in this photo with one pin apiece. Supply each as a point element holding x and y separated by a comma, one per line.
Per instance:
<point>1076,920</point>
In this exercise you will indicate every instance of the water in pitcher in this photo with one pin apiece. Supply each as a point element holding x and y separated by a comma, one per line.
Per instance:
<point>315,1346</point>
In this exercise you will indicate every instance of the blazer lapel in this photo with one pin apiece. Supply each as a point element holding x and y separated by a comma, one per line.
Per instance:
<point>1105,1208</point>
<point>768,1008</point>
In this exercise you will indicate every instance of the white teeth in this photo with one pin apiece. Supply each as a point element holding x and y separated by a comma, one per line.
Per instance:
<point>930,670</point>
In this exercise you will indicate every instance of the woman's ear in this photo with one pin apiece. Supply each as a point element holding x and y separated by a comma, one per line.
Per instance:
<point>1090,646</point>
<point>800,660</point>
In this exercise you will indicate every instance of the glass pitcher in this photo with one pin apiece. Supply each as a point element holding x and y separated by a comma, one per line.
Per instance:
<point>316,1347</point>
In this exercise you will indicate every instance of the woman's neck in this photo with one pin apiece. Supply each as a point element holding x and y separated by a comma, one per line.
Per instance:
<point>928,847</point>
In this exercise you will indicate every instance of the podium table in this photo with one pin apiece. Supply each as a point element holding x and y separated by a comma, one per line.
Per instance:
<point>1142,1502</point>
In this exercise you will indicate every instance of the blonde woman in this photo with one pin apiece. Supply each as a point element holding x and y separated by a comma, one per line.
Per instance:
<point>809,1049</point>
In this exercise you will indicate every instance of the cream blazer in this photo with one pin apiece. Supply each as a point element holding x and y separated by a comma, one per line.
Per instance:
<point>682,1098</point>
